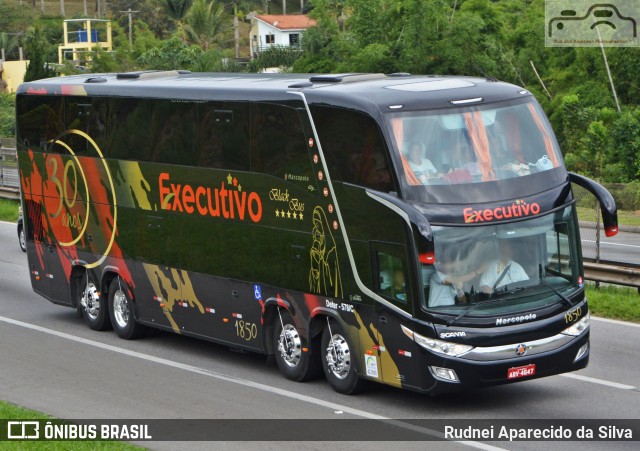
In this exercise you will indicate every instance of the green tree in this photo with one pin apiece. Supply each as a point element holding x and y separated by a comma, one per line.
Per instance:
<point>206,23</point>
<point>177,10</point>
<point>36,47</point>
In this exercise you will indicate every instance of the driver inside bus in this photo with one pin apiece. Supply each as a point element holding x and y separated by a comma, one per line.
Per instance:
<point>398,289</point>
<point>503,271</point>
<point>422,167</point>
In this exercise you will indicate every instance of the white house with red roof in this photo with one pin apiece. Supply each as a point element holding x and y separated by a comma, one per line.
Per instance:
<point>268,30</point>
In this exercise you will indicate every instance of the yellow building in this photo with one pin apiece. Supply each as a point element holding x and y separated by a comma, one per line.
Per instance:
<point>81,37</point>
<point>12,74</point>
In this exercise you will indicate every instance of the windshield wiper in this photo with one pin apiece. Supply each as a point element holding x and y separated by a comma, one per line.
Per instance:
<point>473,307</point>
<point>565,299</point>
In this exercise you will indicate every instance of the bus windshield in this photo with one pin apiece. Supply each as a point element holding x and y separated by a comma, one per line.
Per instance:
<point>474,264</point>
<point>474,144</point>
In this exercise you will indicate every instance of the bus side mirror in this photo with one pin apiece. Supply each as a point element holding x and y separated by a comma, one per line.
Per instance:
<point>411,213</point>
<point>606,200</point>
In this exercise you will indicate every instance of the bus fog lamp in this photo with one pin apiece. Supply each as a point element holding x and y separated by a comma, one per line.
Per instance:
<point>581,352</point>
<point>444,374</point>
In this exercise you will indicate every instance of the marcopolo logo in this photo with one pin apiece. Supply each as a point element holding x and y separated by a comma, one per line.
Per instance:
<point>589,23</point>
<point>228,201</point>
<point>516,319</point>
<point>518,209</point>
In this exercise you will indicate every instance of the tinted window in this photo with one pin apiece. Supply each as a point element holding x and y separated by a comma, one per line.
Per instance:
<point>89,115</point>
<point>353,147</point>
<point>173,132</point>
<point>392,273</point>
<point>127,134</point>
<point>280,146</point>
<point>40,119</point>
<point>224,135</point>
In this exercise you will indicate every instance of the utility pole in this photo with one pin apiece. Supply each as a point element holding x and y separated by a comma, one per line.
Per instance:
<point>284,6</point>
<point>130,13</point>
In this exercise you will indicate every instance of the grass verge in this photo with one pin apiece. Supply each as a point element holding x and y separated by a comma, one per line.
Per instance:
<point>9,210</point>
<point>614,302</point>
<point>10,411</point>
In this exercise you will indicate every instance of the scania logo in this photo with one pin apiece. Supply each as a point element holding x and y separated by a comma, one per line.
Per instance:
<point>521,350</point>
<point>453,334</point>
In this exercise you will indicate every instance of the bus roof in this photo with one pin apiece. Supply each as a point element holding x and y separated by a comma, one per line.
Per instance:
<point>367,92</point>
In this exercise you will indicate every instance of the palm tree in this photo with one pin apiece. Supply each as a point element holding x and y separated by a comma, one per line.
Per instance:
<point>8,43</point>
<point>177,10</point>
<point>205,23</point>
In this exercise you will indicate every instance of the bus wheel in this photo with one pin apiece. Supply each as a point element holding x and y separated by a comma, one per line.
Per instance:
<point>338,362</point>
<point>93,305</point>
<point>121,311</point>
<point>294,363</point>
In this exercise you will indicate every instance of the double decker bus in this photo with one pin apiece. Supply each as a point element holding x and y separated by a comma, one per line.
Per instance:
<point>418,231</point>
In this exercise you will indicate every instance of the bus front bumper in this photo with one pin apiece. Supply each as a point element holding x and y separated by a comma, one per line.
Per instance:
<point>457,374</point>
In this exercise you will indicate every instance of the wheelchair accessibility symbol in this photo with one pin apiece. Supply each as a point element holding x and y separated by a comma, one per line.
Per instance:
<point>584,23</point>
<point>257,292</point>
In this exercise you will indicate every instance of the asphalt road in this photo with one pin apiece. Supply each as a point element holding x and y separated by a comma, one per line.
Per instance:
<point>51,362</point>
<point>623,248</point>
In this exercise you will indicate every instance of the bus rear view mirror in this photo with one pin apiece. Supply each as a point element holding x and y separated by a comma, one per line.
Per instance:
<point>606,200</point>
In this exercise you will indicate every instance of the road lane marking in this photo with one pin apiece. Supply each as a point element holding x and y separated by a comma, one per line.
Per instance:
<point>615,321</point>
<point>244,382</point>
<point>593,380</point>
<point>609,243</point>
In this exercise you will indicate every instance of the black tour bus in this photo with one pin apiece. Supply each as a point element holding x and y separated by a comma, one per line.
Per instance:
<point>418,231</point>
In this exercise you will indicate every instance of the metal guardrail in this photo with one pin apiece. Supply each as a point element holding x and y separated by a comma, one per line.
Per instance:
<point>613,273</point>
<point>9,176</point>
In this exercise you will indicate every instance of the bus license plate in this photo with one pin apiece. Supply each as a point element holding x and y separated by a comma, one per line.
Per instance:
<point>521,371</point>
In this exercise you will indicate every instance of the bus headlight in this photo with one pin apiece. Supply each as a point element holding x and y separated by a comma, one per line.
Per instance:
<point>437,346</point>
<point>577,328</point>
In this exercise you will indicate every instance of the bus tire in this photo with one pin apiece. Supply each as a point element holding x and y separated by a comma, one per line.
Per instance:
<point>121,311</point>
<point>339,362</point>
<point>92,304</point>
<point>293,362</point>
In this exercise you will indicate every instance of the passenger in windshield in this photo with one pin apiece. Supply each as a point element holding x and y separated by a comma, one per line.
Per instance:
<point>503,271</point>
<point>397,290</point>
<point>422,167</point>
<point>503,156</point>
<point>463,168</point>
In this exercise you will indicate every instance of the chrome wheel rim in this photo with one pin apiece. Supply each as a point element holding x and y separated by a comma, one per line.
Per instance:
<point>91,301</point>
<point>121,309</point>
<point>23,240</point>
<point>290,345</point>
<point>338,356</point>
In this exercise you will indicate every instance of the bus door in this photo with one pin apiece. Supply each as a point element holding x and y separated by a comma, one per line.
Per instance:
<point>393,281</point>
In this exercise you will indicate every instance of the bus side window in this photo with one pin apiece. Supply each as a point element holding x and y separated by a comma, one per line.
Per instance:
<point>89,115</point>
<point>128,129</point>
<point>391,273</point>
<point>173,132</point>
<point>224,136</point>
<point>39,120</point>
<point>354,147</point>
<point>279,146</point>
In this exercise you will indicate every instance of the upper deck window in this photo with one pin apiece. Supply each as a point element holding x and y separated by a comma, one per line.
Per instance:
<point>474,144</point>
<point>354,147</point>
